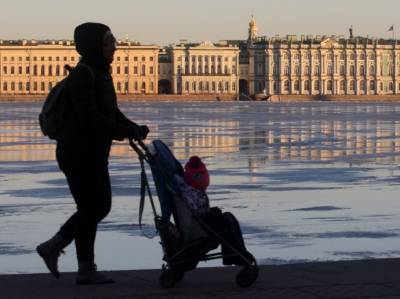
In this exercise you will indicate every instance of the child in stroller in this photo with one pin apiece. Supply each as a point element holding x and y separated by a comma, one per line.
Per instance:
<point>197,228</point>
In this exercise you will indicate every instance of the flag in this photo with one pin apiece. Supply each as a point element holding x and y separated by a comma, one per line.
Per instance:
<point>391,28</point>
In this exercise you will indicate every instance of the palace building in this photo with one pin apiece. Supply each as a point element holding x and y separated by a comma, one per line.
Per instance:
<point>309,65</point>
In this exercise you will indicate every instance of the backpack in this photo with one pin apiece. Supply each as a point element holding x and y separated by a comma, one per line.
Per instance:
<point>51,117</point>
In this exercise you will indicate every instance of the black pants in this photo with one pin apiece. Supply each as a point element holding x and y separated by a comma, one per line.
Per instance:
<point>228,224</point>
<point>89,182</point>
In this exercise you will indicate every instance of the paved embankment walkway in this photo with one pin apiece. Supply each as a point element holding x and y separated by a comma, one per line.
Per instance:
<point>348,279</point>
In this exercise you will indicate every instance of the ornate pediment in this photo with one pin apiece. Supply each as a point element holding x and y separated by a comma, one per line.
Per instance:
<point>329,43</point>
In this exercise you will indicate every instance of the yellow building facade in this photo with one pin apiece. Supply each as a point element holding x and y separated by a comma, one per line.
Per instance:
<point>29,67</point>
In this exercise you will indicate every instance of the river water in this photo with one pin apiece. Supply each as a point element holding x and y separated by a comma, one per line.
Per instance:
<point>307,181</point>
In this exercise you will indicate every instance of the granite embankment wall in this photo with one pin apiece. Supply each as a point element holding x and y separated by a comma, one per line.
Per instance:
<point>187,98</point>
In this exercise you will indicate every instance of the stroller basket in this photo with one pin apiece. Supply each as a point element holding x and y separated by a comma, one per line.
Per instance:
<point>189,239</point>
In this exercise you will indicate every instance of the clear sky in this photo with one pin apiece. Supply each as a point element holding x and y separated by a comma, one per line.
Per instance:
<point>166,21</point>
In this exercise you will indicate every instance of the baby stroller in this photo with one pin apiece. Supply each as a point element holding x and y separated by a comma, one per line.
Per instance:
<point>188,239</point>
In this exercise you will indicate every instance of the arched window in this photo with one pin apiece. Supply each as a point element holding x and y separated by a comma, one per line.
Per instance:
<point>5,87</point>
<point>316,85</point>
<point>307,85</point>
<point>20,86</point>
<point>42,71</point>
<point>391,86</point>
<point>372,85</point>
<point>296,85</point>
<point>194,86</point>
<point>362,85</point>
<point>342,70</point>
<point>143,70</point>
<point>50,70</point>
<point>220,86</point>
<point>35,70</point>
<point>135,85</point>
<point>12,86</point>
<point>27,86</point>
<point>227,86</point>
<point>352,85</point>
<point>143,87</point>
<point>341,85</point>
<point>329,85</point>
<point>187,86</point>
<point>42,86</point>
<point>286,85</point>
<point>57,70</point>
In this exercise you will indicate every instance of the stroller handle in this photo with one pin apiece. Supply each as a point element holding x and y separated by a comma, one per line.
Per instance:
<point>139,147</point>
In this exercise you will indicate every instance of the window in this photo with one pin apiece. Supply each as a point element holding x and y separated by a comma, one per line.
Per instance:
<point>143,70</point>
<point>362,85</point>
<point>297,70</point>
<point>226,69</point>
<point>296,85</point>
<point>5,86</point>
<point>151,71</point>
<point>362,70</point>
<point>286,85</point>
<point>233,86</point>
<point>316,85</point>
<point>135,86</point>
<point>351,56</point>
<point>341,85</point>
<point>126,58</point>
<point>4,70</point>
<point>226,86</point>
<point>20,70</point>
<point>187,86</point>
<point>307,85</point>
<point>50,86</point>
<point>118,58</point>
<point>143,58</point>
<point>12,86</point>
<point>372,85</point>
<point>213,86</point>
<point>151,85</point>
<point>316,70</point>
<point>57,70</point>
<point>5,58</point>
<point>143,87</point>
<point>135,70</point>
<point>49,58</point>
<point>50,70</point>
<point>27,86</point>
<point>342,70</point>
<point>118,86</point>
<point>352,70</point>
<point>372,70</point>
<point>194,86</point>
<point>35,72</point>
<point>286,70</point>
<point>391,86</point>
<point>126,87</point>
<point>12,70</point>
<point>118,70</point>
<point>307,70</point>
<point>126,70</point>
<point>329,85</point>
<point>342,56</point>
<point>151,58</point>
<point>35,86</point>
<point>352,85</point>
<point>330,70</point>
<point>28,70</point>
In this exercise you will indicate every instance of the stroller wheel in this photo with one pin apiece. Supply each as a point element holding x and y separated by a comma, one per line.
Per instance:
<point>247,276</point>
<point>167,278</point>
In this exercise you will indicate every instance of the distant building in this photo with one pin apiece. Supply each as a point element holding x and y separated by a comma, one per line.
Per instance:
<point>33,67</point>
<point>309,65</point>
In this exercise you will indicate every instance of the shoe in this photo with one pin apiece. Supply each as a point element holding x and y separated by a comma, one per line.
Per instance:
<point>50,252</point>
<point>88,274</point>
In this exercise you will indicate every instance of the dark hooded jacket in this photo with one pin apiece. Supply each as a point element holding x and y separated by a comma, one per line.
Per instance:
<point>92,118</point>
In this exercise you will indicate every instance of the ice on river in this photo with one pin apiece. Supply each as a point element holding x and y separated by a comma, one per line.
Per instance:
<point>307,181</point>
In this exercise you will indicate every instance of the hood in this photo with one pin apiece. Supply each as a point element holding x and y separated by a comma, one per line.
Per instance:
<point>88,39</point>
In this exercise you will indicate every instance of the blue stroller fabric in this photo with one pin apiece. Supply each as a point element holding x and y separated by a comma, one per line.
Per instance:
<point>164,167</point>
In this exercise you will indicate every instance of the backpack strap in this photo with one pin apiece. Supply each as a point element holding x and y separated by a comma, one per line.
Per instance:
<point>88,67</point>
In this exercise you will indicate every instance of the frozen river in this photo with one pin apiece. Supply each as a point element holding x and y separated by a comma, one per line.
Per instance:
<point>307,181</point>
